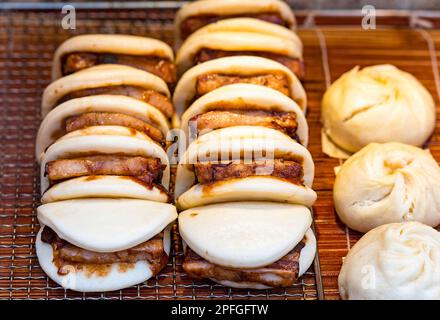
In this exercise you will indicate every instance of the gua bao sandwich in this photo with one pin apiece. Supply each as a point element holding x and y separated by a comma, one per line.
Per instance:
<point>249,105</point>
<point>242,36</point>
<point>85,51</point>
<point>208,76</point>
<point>139,117</point>
<point>95,245</point>
<point>106,79</point>
<point>197,14</point>
<point>255,245</point>
<point>244,163</point>
<point>105,161</point>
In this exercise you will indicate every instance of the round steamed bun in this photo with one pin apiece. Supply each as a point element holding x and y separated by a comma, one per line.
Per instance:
<point>393,261</point>
<point>377,104</point>
<point>385,183</point>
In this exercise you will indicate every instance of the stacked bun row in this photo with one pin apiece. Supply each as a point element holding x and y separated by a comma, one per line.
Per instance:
<point>243,183</point>
<point>115,120</point>
<point>106,215</point>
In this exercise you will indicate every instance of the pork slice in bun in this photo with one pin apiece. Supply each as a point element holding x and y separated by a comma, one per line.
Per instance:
<point>96,245</point>
<point>245,104</point>
<point>244,163</point>
<point>105,162</point>
<point>101,110</point>
<point>85,51</point>
<point>256,245</point>
<point>241,37</point>
<point>117,80</point>
<point>208,76</point>
<point>198,14</point>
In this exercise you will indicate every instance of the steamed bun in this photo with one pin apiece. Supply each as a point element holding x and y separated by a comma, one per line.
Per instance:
<point>376,104</point>
<point>393,261</point>
<point>390,182</point>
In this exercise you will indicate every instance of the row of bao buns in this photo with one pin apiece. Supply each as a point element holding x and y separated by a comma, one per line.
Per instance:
<point>379,117</point>
<point>244,177</point>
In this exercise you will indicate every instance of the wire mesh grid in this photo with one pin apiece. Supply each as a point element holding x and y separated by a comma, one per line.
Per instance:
<point>27,42</point>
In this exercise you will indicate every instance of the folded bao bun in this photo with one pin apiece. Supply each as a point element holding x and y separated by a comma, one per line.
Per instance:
<point>104,75</point>
<point>396,261</point>
<point>103,225</point>
<point>375,104</point>
<point>232,8</point>
<point>103,140</point>
<point>106,43</point>
<point>244,40</point>
<point>237,143</point>
<point>246,97</point>
<point>240,66</point>
<point>384,183</point>
<point>245,235</point>
<point>253,26</point>
<point>53,125</point>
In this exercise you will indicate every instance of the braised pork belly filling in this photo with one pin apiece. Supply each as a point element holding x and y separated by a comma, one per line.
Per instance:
<point>154,98</point>
<point>209,82</point>
<point>208,173</point>
<point>67,254</point>
<point>282,121</point>
<point>294,64</point>
<point>161,67</point>
<point>116,119</point>
<point>193,23</point>
<point>282,273</point>
<point>147,171</point>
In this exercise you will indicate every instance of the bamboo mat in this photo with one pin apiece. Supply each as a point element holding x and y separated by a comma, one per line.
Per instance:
<point>27,41</point>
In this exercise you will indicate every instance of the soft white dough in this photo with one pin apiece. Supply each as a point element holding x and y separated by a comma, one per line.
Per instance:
<point>307,253</point>
<point>393,261</point>
<point>254,188</point>
<point>306,259</point>
<point>106,225</point>
<point>244,234</point>
<point>385,183</point>
<point>376,104</point>
<point>104,186</point>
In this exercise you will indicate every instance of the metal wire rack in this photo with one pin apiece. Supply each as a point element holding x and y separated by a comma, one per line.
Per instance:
<point>28,39</point>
